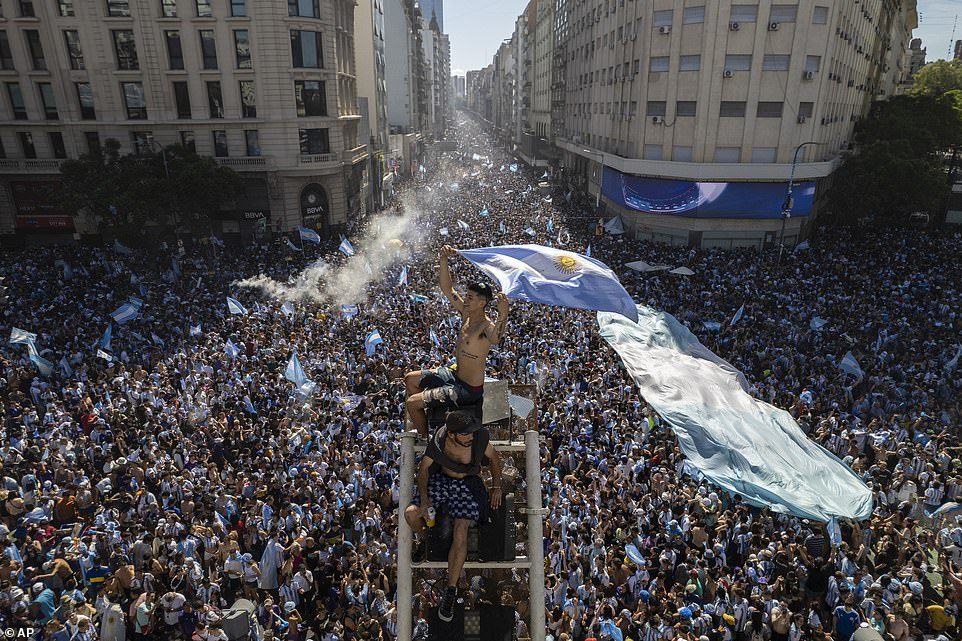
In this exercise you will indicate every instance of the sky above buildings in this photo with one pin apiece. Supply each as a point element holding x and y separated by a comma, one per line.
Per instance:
<point>477,28</point>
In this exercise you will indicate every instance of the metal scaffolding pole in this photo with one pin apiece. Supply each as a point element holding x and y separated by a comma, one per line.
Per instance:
<point>536,514</point>
<point>405,584</point>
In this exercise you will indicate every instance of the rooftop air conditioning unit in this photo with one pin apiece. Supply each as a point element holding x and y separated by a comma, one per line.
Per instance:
<point>728,73</point>
<point>664,30</point>
<point>734,26</point>
<point>773,26</point>
<point>657,120</point>
<point>809,75</point>
<point>802,119</point>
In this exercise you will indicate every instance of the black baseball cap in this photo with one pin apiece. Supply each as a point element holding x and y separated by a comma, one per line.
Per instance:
<point>482,288</point>
<point>461,423</point>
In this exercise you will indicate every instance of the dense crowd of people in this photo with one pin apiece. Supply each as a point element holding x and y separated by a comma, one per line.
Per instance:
<point>160,474</point>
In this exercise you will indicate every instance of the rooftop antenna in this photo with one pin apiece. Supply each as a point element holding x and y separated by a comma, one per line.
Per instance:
<point>948,56</point>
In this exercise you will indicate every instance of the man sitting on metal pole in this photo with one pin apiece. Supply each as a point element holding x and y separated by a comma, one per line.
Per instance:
<point>449,478</point>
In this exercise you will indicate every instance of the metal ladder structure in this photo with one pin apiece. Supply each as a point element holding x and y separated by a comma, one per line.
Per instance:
<point>533,562</point>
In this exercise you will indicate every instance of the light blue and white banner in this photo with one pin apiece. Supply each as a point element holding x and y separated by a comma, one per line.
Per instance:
<point>372,341</point>
<point>292,246</point>
<point>309,235</point>
<point>195,330</point>
<point>740,443</point>
<point>232,350</point>
<point>125,313</point>
<point>403,278</point>
<point>463,225</point>
<point>288,309</point>
<point>849,365</point>
<point>553,277</point>
<point>21,337</point>
<point>817,323</point>
<point>738,315</point>
<point>346,247</point>
<point>107,337</point>
<point>234,307</point>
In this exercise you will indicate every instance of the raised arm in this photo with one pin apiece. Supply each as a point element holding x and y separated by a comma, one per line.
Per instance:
<point>501,324</point>
<point>446,285</point>
<point>496,467</point>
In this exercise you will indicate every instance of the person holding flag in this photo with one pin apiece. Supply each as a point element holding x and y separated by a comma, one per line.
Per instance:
<point>462,384</point>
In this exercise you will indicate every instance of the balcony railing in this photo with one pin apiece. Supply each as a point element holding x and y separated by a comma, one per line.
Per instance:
<point>247,162</point>
<point>315,159</point>
<point>32,165</point>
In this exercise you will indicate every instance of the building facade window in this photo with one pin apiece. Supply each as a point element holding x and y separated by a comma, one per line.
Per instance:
<point>732,109</point>
<point>26,9</point>
<point>204,9</point>
<point>208,48</point>
<point>26,144</point>
<point>242,48</point>
<point>813,63</point>
<point>685,108</point>
<point>65,8</point>
<point>738,62</point>
<point>220,143</point>
<point>662,18</point>
<point>770,109</point>
<point>806,109</point>
<point>658,64</point>
<point>310,96</point>
<point>93,142</point>
<point>314,141</point>
<point>693,15</point>
<point>74,52</point>
<point>680,153</point>
<point>820,15</point>
<point>783,13</point>
<point>656,108</point>
<point>776,62</point>
<point>35,48</point>
<point>252,139</point>
<point>182,100</point>
<point>652,152</point>
<point>248,99</point>
<point>215,100</point>
<point>118,8</point>
<point>56,145</point>
<point>48,101</point>
<point>728,154</point>
<point>85,97</point>
<point>187,141</point>
<point>304,8</point>
<point>306,50</point>
<point>764,154</point>
<point>744,13</point>
<point>142,141</point>
<point>134,100</point>
<point>16,101</point>
<point>175,51</point>
<point>126,49</point>
<point>238,8</point>
<point>6,56</point>
<point>689,63</point>
<point>168,8</point>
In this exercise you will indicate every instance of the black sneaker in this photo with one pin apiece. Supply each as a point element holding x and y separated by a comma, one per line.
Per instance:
<point>446,610</point>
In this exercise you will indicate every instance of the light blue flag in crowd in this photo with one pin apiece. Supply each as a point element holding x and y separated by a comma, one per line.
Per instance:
<point>108,335</point>
<point>818,323</point>
<point>195,330</point>
<point>292,245</point>
<point>175,266</point>
<point>121,249</point>
<point>955,359</point>
<point>712,326</point>
<point>143,289</point>
<point>309,235</point>
<point>553,277</point>
<point>346,248</point>
<point>372,341</point>
<point>849,365</point>
<point>249,406</point>
<point>44,366</point>
<point>463,225</point>
<point>513,167</point>
<point>21,337</point>
<point>738,315</point>
<point>231,350</point>
<point>105,355</point>
<point>403,278</point>
<point>65,366</point>
<point>288,309</point>
<point>434,338</point>
<point>234,306</point>
<point>531,232</point>
<point>294,372</point>
<point>136,302</point>
<point>834,532</point>
<point>125,313</point>
<point>157,340</point>
<point>418,298</point>
<point>443,231</point>
<point>588,251</point>
<point>740,443</point>
<point>484,213</point>
<point>550,225</point>
<point>349,311</point>
<point>501,227</point>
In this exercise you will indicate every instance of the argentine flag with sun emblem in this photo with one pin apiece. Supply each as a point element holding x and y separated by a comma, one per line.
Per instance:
<point>553,277</point>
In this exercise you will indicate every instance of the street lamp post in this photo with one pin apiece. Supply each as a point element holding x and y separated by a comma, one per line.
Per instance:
<point>789,200</point>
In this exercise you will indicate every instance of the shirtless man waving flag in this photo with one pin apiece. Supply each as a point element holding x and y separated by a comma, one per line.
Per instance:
<point>464,383</point>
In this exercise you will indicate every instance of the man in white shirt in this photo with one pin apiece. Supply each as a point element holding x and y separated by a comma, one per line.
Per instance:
<point>172,604</point>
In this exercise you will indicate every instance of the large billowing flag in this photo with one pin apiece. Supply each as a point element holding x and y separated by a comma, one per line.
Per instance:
<point>21,337</point>
<point>372,341</point>
<point>738,442</point>
<point>403,278</point>
<point>234,306</point>
<point>124,313</point>
<point>107,337</point>
<point>295,374</point>
<point>43,365</point>
<point>849,365</point>
<point>553,277</point>
<point>309,235</point>
<point>346,247</point>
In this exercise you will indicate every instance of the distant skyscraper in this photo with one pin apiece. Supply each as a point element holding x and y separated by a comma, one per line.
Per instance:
<point>958,49</point>
<point>436,7</point>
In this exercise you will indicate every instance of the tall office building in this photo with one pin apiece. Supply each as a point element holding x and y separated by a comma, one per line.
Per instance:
<point>267,87</point>
<point>435,9</point>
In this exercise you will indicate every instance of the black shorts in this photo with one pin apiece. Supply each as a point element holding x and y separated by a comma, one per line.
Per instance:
<point>443,389</point>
